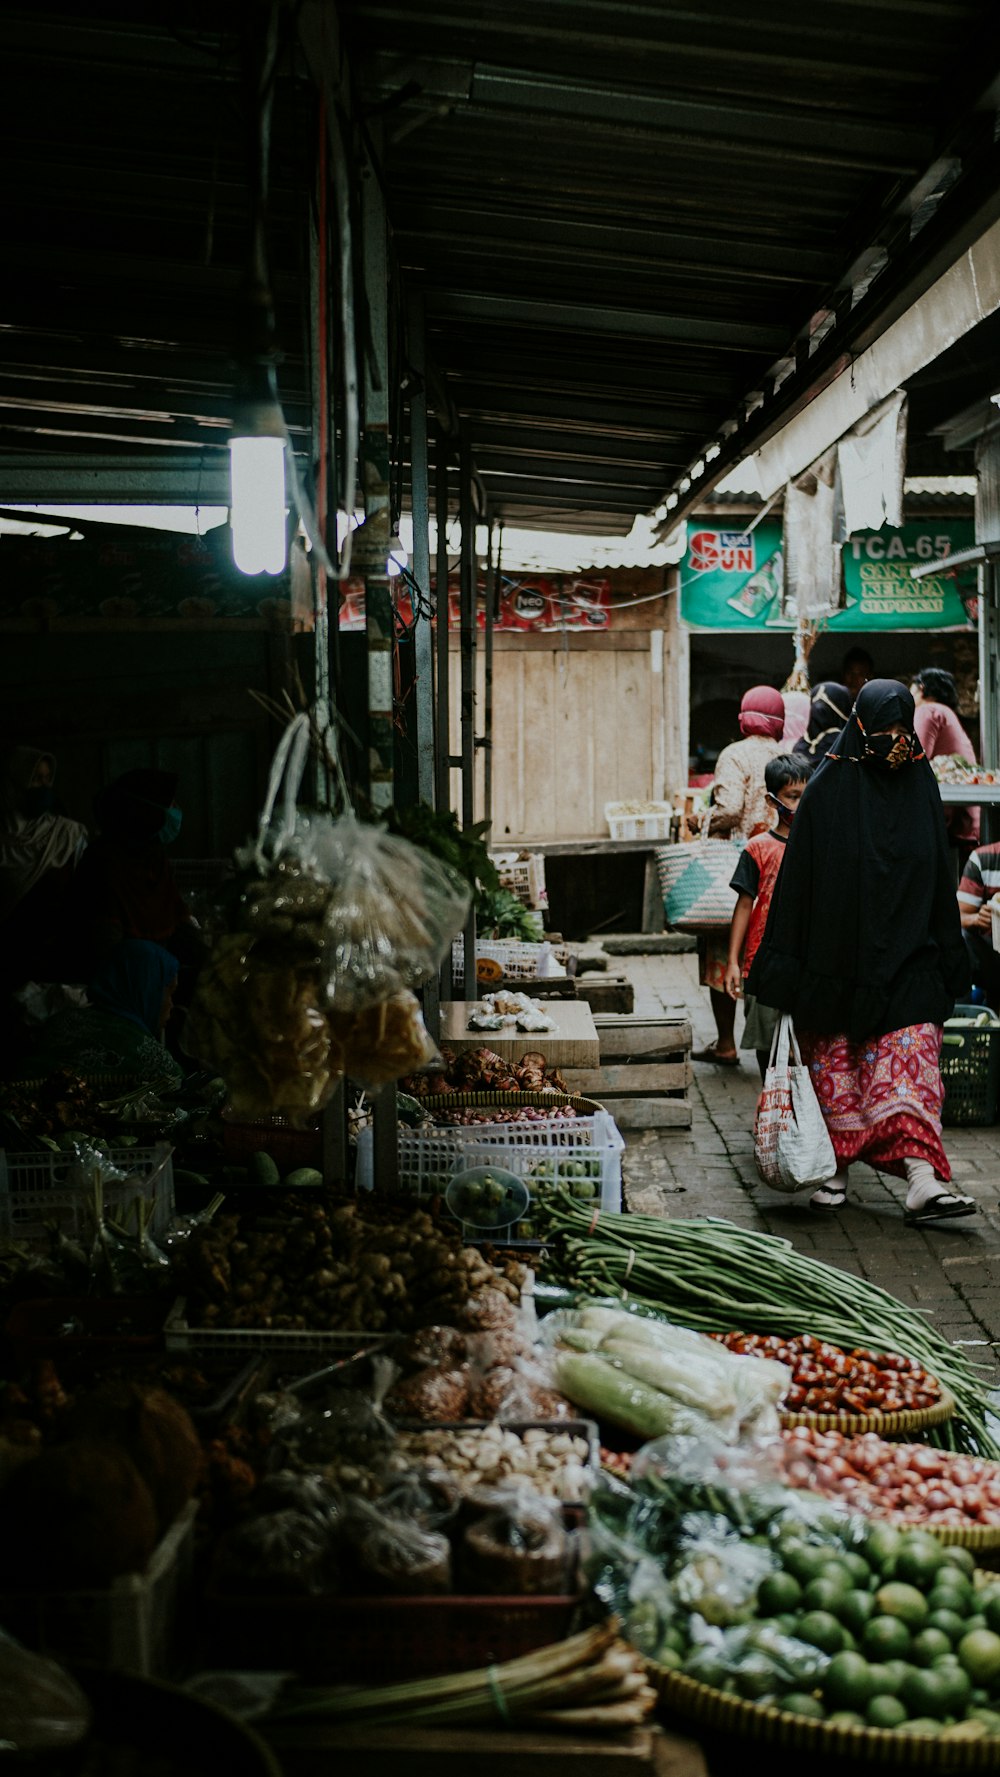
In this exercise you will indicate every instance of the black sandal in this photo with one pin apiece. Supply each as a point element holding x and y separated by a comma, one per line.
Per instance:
<point>835,1200</point>
<point>943,1207</point>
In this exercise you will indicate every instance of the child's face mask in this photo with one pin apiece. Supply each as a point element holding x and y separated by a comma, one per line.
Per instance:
<point>785,813</point>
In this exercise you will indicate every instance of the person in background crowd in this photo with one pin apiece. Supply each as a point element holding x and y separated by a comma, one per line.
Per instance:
<point>39,850</point>
<point>940,733</point>
<point>125,887</point>
<point>797,705</point>
<point>864,948</point>
<point>785,778</point>
<point>829,709</point>
<point>120,1032</point>
<point>980,882</point>
<point>857,668</point>
<point>739,809</point>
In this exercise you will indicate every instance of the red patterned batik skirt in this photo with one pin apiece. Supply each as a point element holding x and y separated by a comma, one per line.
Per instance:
<point>882,1098</point>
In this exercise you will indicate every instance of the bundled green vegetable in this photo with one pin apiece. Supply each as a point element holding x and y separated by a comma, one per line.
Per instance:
<point>714,1277</point>
<point>605,1388</point>
<point>643,1375</point>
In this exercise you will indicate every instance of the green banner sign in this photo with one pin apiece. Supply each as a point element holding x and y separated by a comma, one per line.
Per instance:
<point>732,580</point>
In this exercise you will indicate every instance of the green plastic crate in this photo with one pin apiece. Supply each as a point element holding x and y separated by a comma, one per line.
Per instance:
<point>970,1069</point>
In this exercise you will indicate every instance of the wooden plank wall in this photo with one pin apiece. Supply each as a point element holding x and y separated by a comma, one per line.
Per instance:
<point>573,728</point>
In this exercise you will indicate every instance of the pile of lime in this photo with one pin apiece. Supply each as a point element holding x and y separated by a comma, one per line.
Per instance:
<point>581,1176</point>
<point>910,1631</point>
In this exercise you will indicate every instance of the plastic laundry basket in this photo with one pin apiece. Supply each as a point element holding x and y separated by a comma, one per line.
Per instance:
<point>970,1069</point>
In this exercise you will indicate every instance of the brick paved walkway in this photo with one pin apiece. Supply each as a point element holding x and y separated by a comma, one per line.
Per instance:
<point>950,1272</point>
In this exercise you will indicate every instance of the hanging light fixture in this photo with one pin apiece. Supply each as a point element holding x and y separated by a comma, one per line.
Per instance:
<point>257,473</point>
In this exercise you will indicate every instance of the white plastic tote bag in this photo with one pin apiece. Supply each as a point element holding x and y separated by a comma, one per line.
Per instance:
<point>792,1145</point>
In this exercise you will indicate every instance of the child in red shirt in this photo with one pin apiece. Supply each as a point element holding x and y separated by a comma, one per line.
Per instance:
<point>785,779</point>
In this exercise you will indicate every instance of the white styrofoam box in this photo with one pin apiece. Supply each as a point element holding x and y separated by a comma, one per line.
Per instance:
<point>40,1188</point>
<point>995,923</point>
<point>638,820</point>
<point>520,959</point>
<point>129,1626</point>
<point>577,1152</point>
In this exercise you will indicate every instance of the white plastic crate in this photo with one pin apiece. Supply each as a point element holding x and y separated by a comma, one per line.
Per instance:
<point>36,1189</point>
<point>519,959</point>
<point>577,1152</point>
<point>130,1626</point>
<point>638,820</point>
<point>524,877</point>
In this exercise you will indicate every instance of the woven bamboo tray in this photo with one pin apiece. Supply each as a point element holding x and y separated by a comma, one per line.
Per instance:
<point>904,1423</point>
<point>772,1726</point>
<point>468,1101</point>
<point>973,1536</point>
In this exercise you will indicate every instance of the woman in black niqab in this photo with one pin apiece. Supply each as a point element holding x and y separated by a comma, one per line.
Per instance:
<point>863,947</point>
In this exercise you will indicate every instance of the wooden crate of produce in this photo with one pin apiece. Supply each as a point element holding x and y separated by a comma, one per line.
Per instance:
<point>644,1071</point>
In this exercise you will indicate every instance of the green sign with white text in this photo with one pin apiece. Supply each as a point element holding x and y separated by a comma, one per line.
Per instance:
<point>732,580</point>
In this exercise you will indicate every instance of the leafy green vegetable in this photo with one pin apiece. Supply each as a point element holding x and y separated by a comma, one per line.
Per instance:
<point>438,831</point>
<point>499,914</point>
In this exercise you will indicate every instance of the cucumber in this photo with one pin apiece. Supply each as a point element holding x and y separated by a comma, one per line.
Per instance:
<point>264,1170</point>
<point>182,1177</point>
<point>303,1178</point>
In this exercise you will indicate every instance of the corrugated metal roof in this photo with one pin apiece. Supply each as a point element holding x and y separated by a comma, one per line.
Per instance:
<point>622,216</point>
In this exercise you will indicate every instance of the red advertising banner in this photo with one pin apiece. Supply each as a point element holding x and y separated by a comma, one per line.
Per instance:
<point>534,604</point>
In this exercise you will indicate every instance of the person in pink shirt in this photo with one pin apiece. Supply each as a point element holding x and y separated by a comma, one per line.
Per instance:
<point>940,732</point>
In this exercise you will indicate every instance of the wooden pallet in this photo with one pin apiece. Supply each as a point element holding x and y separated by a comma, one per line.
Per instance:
<point>644,1071</point>
<point>606,993</point>
<point>375,1749</point>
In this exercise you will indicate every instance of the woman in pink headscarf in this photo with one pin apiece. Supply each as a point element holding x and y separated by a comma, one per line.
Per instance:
<point>739,810</point>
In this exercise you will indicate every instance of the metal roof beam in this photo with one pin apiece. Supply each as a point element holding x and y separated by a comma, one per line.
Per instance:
<point>547,364</point>
<point>621,418</point>
<point>820,47</point>
<point>611,443</point>
<point>787,133</point>
<point>645,480</point>
<point>502,231</point>
<point>585,318</point>
<point>188,479</point>
<point>576,496</point>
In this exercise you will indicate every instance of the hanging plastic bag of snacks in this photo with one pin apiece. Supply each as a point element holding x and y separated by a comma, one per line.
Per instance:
<point>332,924</point>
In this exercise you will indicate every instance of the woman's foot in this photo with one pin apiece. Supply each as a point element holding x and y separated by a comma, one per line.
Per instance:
<point>928,1199</point>
<point>828,1198</point>
<point>831,1196</point>
<point>943,1206</point>
<point>721,1057</point>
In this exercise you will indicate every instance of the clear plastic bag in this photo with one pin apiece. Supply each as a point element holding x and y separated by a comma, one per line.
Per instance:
<point>42,1709</point>
<point>286,1553</point>
<point>392,914</point>
<point>331,924</point>
<point>519,1547</point>
<point>383,1041</point>
<point>395,1555</point>
<point>258,1018</point>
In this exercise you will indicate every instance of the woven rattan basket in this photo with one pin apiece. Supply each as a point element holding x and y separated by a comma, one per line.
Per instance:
<point>902,1424</point>
<point>770,1725</point>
